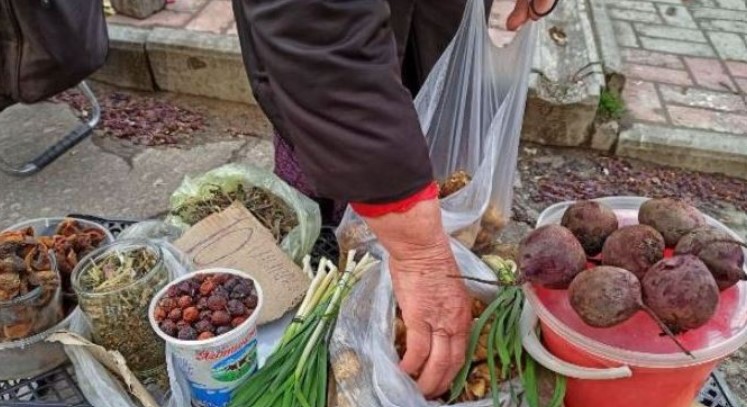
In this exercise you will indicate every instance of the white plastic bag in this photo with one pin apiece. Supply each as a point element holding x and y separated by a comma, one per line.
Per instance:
<point>471,109</point>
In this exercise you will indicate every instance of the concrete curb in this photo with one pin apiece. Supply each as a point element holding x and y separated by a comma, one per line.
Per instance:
<point>686,148</point>
<point>176,60</point>
<point>604,34</point>
<point>565,89</point>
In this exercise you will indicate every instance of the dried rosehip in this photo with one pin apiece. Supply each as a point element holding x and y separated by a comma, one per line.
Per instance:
<point>168,327</point>
<point>231,283</point>
<point>191,314</point>
<point>185,288</point>
<point>207,287</point>
<point>202,303</point>
<point>182,324</point>
<point>251,301</point>
<point>175,314</point>
<point>173,291</point>
<point>220,292</point>
<point>204,326</point>
<point>184,301</point>
<point>237,321</point>
<point>217,303</point>
<point>236,308</point>
<point>221,278</point>
<point>167,303</point>
<point>222,329</point>
<point>241,291</point>
<point>220,318</point>
<point>206,315</point>
<point>205,335</point>
<point>160,314</point>
<point>187,334</point>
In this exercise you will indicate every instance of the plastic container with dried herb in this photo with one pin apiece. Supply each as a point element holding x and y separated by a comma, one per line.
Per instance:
<point>115,284</point>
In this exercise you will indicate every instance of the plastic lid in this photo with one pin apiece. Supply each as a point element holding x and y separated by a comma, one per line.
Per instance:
<point>638,341</point>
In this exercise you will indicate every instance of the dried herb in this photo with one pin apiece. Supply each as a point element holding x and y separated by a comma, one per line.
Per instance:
<point>271,211</point>
<point>114,288</point>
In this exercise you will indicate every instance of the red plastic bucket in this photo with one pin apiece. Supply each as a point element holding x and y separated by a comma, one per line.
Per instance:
<point>662,375</point>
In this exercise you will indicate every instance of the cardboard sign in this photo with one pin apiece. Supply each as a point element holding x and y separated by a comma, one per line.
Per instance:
<point>235,239</point>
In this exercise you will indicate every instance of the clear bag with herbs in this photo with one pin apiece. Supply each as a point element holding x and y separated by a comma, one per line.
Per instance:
<point>115,285</point>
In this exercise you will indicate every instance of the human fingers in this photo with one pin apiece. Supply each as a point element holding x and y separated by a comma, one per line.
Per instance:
<point>518,16</point>
<point>418,348</point>
<point>457,353</point>
<point>431,379</point>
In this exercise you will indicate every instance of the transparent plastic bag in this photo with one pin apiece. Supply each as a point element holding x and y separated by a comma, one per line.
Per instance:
<point>364,361</point>
<point>471,109</point>
<point>298,242</point>
<point>101,387</point>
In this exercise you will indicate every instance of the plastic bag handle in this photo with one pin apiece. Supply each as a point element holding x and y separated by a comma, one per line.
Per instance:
<point>534,347</point>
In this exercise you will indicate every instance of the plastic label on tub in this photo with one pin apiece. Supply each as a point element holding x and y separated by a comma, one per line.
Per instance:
<point>215,370</point>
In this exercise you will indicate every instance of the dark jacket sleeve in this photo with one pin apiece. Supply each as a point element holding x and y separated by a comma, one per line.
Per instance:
<point>326,73</point>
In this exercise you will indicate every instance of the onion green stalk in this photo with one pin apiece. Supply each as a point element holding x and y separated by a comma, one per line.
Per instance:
<point>296,372</point>
<point>505,351</point>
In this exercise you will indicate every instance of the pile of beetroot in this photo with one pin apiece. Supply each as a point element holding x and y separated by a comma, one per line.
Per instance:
<point>630,271</point>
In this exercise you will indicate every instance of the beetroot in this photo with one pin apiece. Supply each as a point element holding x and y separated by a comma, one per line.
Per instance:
<point>671,217</point>
<point>634,248</point>
<point>681,292</point>
<point>605,296</point>
<point>551,256</point>
<point>723,255</point>
<point>591,222</point>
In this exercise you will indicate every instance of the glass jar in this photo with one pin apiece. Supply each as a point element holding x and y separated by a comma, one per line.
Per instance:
<point>119,316</point>
<point>33,312</point>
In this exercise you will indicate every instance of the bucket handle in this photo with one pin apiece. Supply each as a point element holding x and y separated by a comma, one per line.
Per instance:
<point>534,347</point>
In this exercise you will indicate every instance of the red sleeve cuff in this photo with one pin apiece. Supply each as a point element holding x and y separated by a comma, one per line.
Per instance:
<point>403,205</point>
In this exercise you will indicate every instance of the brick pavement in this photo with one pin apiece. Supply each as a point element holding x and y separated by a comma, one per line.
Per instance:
<point>686,62</point>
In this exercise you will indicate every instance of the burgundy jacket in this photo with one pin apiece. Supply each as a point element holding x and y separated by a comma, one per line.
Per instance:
<point>336,78</point>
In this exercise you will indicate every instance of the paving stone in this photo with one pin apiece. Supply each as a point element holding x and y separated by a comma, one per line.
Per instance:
<point>729,46</point>
<point>186,5</point>
<point>677,16</point>
<point>605,136</point>
<point>710,73</point>
<point>708,119</point>
<point>625,34</point>
<point>232,30</point>
<point>127,63</point>
<point>725,25</point>
<point>672,33</point>
<point>642,101</point>
<point>692,97</point>
<point>633,5</point>
<point>657,74</point>
<point>645,57</point>
<point>632,15</point>
<point>719,14</point>
<point>694,149</point>
<point>215,18</point>
<point>732,4</point>
<point>138,8</point>
<point>742,83</point>
<point>677,47</point>
<point>738,69</point>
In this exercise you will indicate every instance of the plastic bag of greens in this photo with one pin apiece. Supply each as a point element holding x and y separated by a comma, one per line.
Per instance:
<point>292,218</point>
<point>471,108</point>
<point>364,360</point>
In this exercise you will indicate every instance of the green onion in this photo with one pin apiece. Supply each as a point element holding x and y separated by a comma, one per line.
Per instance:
<point>296,372</point>
<point>504,342</point>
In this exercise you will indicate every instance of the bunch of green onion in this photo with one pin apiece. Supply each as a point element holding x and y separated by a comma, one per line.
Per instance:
<point>505,342</point>
<point>296,372</point>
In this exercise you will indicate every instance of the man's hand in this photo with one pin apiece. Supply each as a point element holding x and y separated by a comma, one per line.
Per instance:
<point>435,306</point>
<point>523,12</point>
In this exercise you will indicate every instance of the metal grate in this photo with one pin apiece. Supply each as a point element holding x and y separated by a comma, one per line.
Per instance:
<point>56,388</point>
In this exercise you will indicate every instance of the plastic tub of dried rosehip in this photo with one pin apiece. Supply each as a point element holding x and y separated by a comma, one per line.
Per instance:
<point>208,319</point>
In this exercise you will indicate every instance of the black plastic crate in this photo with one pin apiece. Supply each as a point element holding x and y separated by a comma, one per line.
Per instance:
<point>56,388</point>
